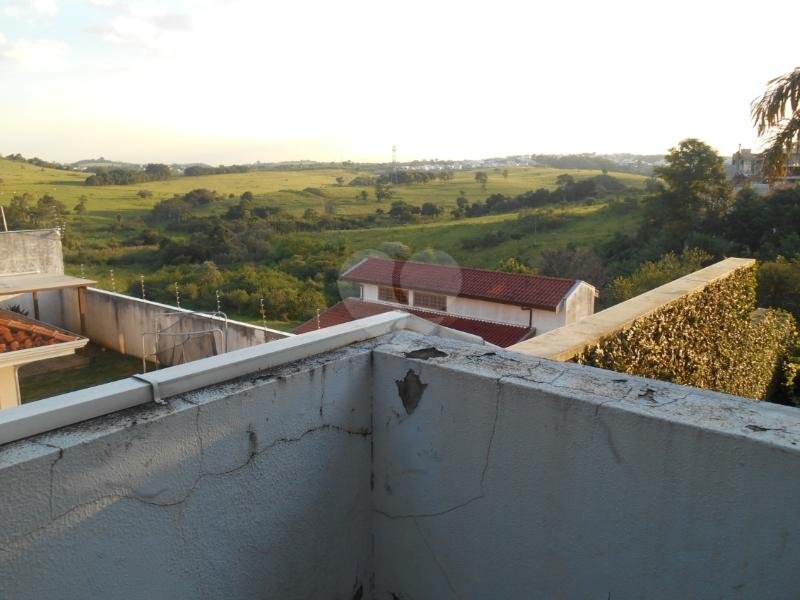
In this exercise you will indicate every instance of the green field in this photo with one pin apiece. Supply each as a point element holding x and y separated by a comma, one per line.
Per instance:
<point>277,188</point>
<point>96,243</point>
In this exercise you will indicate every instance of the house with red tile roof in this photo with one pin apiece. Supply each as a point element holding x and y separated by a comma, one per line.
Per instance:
<point>502,308</point>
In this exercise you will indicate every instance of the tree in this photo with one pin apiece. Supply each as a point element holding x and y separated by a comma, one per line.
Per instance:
<point>505,173</point>
<point>340,181</point>
<point>515,265</point>
<point>777,114</point>
<point>696,194</point>
<point>403,211</point>
<point>652,274</point>
<point>396,250</point>
<point>429,209</point>
<point>383,191</point>
<point>574,263</point>
<point>565,180</point>
<point>362,196</point>
<point>482,178</point>
<point>49,211</point>
<point>779,285</point>
<point>156,171</point>
<point>80,207</point>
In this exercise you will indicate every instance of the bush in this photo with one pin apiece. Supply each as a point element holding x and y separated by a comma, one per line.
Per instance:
<point>711,339</point>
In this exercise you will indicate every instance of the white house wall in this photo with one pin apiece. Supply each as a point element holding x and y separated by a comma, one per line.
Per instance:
<point>580,303</point>
<point>543,320</point>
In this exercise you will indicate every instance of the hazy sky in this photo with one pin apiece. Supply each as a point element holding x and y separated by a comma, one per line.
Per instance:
<point>225,81</point>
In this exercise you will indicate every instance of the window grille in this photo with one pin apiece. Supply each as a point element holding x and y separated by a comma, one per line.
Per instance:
<point>432,301</point>
<point>397,295</point>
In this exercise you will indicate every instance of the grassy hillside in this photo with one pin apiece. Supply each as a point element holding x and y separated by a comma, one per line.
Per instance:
<point>278,188</point>
<point>583,225</point>
<point>101,239</point>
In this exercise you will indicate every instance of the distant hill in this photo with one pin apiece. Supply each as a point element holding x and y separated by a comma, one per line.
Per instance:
<point>92,163</point>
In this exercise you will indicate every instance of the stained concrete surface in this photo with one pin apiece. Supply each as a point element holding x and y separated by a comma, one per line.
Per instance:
<point>513,477</point>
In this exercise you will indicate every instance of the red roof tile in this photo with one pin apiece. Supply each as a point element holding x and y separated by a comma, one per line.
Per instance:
<point>494,286</point>
<point>19,333</point>
<point>351,309</point>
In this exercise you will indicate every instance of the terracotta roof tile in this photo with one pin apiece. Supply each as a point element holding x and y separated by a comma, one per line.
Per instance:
<point>351,309</point>
<point>494,286</point>
<point>19,333</point>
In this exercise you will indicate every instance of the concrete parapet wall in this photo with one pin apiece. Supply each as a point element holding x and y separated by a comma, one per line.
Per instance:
<point>117,322</point>
<point>411,467</point>
<point>257,489</point>
<point>31,251</point>
<point>517,478</point>
<point>567,342</point>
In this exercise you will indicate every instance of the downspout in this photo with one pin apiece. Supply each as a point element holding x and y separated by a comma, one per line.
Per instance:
<point>530,315</point>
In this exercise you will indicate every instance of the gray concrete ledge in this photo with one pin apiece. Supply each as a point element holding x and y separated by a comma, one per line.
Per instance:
<point>566,342</point>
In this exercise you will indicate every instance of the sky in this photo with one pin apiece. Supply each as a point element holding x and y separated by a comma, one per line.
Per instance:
<point>232,81</point>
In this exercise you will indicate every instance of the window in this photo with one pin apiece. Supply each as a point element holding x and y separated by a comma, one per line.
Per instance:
<point>387,294</point>
<point>432,301</point>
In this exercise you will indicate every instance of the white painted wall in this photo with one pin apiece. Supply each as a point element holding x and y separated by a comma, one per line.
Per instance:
<point>50,305</point>
<point>580,303</point>
<point>599,486</point>
<point>31,251</point>
<point>369,292</point>
<point>116,321</point>
<point>543,320</point>
<point>513,477</point>
<point>255,490</point>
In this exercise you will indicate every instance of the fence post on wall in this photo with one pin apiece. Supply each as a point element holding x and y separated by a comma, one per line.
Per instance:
<point>82,308</point>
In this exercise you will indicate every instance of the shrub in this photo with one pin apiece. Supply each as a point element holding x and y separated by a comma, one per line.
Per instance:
<point>711,339</point>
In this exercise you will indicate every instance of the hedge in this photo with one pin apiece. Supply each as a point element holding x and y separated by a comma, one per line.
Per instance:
<point>713,339</point>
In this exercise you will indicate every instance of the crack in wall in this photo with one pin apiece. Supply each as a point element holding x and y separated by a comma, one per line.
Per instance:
<point>52,471</point>
<point>107,499</point>
<point>484,470</point>
<point>439,564</point>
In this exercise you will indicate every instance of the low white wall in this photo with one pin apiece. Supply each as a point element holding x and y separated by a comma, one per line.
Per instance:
<point>528,479</point>
<point>463,473</point>
<point>252,490</point>
<point>51,309</point>
<point>116,321</point>
<point>31,251</point>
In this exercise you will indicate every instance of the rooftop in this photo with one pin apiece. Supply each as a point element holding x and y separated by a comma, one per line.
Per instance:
<point>387,459</point>
<point>350,309</point>
<point>532,291</point>
<point>20,333</point>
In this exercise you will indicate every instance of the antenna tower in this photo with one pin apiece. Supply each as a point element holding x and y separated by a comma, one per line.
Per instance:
<point>394,164</point>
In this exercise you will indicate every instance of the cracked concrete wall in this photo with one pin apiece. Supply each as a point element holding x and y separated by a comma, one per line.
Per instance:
<point>411,467</point>
<point>116,321</point>
<point>522,478</point>
<point>253,489</point>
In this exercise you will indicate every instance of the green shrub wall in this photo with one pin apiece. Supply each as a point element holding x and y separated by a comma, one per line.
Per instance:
<point>713,339</point>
